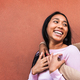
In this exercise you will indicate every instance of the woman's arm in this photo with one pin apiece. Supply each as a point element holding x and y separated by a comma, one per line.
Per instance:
<point>69,73</point>
<point>39,66</point>
<point>33,77</point>
<point>54,64</point>
<point>42,47</point>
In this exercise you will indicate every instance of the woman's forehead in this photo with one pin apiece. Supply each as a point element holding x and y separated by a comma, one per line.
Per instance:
<point>59,17</point>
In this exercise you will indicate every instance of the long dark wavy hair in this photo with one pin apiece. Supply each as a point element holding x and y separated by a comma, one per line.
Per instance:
<point>67,39</point>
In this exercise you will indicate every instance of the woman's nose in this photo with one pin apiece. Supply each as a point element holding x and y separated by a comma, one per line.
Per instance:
<point>60,25</point>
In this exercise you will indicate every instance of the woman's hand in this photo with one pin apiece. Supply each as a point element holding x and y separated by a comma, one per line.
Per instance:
<point>41,64</point>
<point>43,47</point>
<point>54,62</point>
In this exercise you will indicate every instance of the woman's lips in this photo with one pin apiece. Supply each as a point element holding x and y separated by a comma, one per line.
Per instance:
<point>58,32</point>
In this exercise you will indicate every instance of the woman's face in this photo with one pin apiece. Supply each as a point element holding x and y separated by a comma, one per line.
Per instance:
<point>57,28</point>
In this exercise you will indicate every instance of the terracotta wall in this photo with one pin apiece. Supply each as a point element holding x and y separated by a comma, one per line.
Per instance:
<point>20,32</point>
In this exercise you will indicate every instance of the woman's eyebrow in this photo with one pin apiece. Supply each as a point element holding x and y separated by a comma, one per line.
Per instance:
<point>58,19</point>
<point>65,21</point>
<point>55,18</point>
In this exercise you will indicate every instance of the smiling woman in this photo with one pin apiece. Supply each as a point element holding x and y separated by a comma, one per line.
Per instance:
<point>57,28</point>
<point>57,22</point>
<point>57,35</point>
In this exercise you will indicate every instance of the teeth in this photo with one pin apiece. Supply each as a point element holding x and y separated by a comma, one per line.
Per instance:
<point>58,32</point>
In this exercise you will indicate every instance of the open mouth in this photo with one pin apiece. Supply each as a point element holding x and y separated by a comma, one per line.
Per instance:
<point>58,32</point>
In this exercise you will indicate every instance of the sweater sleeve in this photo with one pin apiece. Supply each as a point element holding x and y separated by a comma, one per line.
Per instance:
<point>33,77</point>
<point>73,57</point>
<point>56,75</point>
<point>68,73</point>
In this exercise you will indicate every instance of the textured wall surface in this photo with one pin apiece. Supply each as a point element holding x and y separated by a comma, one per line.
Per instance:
<point>20,32</point>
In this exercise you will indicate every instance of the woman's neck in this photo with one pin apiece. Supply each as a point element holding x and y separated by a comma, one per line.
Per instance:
<point>55,45</point>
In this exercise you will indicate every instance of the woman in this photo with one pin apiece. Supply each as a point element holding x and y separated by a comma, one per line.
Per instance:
<point>57,35</point>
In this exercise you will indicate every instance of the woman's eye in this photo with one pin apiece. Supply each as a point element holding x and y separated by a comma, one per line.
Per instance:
<point>55,21</point>
<point>64,24</point>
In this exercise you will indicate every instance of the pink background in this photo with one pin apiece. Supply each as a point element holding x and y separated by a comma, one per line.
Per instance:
<point>20,32</point>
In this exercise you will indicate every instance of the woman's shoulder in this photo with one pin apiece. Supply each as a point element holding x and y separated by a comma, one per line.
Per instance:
<point>71,48</point>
